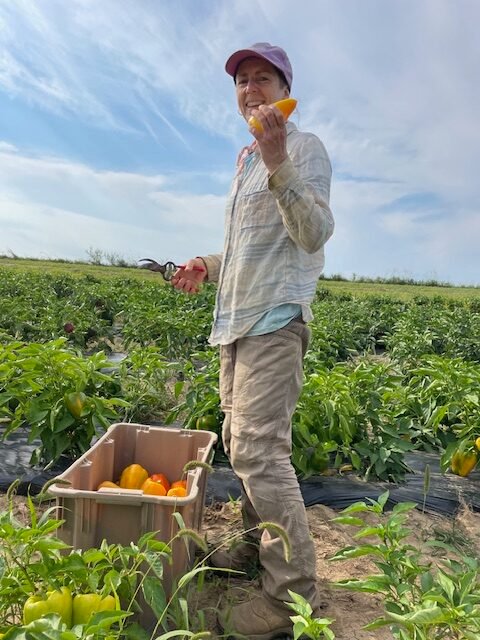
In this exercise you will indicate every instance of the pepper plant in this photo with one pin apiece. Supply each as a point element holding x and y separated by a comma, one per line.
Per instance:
<point>49,587</point>
<point>421,602</point>
<point>346,416</point>
<point>197,392</point>
<point>63,399</point>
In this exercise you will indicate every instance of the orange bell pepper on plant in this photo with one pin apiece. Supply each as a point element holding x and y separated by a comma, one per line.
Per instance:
<point>133,477</point>
<point>286,106</point>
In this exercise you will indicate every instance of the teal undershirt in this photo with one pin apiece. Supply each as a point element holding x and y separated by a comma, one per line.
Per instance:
<point>275,319</point>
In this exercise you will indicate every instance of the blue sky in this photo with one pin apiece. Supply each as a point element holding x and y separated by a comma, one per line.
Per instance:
<point>119,128</point>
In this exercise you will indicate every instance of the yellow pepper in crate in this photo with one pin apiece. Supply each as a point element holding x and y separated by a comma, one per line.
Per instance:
<point>133,476</point>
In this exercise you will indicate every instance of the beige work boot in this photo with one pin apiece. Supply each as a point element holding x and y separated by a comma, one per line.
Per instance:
<point>242,556</point>
<point>256,619</point>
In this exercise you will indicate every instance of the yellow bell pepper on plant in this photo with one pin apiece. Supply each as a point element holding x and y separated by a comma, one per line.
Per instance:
<point>477,444</point>
<point>75,403</point>
<point>463,461</point>
<point>85,605</point>
<point>59,602</point>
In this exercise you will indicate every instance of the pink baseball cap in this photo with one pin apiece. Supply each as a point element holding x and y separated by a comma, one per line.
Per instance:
<point>274,55</point>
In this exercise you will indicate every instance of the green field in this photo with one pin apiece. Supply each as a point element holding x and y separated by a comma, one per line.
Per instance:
<point>357,288</point>
<point>392,373</point>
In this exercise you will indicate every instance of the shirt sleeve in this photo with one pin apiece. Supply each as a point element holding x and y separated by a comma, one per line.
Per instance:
<point>213,262</point>
<point>301,186</point>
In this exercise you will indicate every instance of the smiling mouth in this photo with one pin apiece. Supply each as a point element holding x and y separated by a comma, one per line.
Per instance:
<point>250,108</point>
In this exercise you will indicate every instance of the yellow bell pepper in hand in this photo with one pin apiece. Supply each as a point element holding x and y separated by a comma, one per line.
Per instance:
<point>286,106</point>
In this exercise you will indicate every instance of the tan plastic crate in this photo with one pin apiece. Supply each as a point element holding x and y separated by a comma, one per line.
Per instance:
<point>121,516</point>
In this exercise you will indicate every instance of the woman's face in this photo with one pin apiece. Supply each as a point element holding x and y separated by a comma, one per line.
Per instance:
<point>258,82</point>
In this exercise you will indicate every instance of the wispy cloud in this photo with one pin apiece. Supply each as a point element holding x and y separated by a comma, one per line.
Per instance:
<point>69,207</point>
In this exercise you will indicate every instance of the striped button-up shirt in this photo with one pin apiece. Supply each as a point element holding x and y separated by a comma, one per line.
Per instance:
<point>275,230</point>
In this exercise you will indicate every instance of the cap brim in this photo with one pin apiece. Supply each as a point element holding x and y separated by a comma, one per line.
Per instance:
<point>236,58</point>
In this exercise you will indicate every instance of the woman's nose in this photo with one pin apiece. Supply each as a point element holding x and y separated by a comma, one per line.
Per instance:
<point>251,85</point>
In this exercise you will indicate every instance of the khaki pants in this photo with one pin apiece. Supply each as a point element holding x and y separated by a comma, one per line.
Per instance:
<point>260,380</point>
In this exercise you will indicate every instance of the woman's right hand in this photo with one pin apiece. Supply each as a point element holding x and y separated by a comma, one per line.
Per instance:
<point>188,279</point>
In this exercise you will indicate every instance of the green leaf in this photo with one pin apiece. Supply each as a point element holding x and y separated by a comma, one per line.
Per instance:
<point>373,584</point>
<point>178,388</point>
<point>370,531</point>
<point>357,552</point>
<point>180,521</point>
<point>357,507</point>
<point>154,595</point>
<point>426,581</point>
<point>377,624</point>
<point>175,634</point>
<point>136,632</point>
<point>403,507</point>
<point>187,577</point>
<point>428,616</point>
<point>350,520</point>
<point>299,625</point>
<point>446,583</point>
<point>382,500</point>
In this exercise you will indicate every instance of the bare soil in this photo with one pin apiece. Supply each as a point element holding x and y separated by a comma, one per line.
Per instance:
<point>350,610</point>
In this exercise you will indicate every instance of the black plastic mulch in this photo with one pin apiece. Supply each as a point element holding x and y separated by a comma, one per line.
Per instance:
<point>446,491</point>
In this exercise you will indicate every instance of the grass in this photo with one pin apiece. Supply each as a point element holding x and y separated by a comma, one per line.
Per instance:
<point>337,287</point>
<point>399,291</point>
<point>58,267</point>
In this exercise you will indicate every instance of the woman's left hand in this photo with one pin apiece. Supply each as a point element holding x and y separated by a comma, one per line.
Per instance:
<point>272,138</point>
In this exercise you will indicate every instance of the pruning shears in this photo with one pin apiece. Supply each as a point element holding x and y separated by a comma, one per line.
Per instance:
<point>167,270</point>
